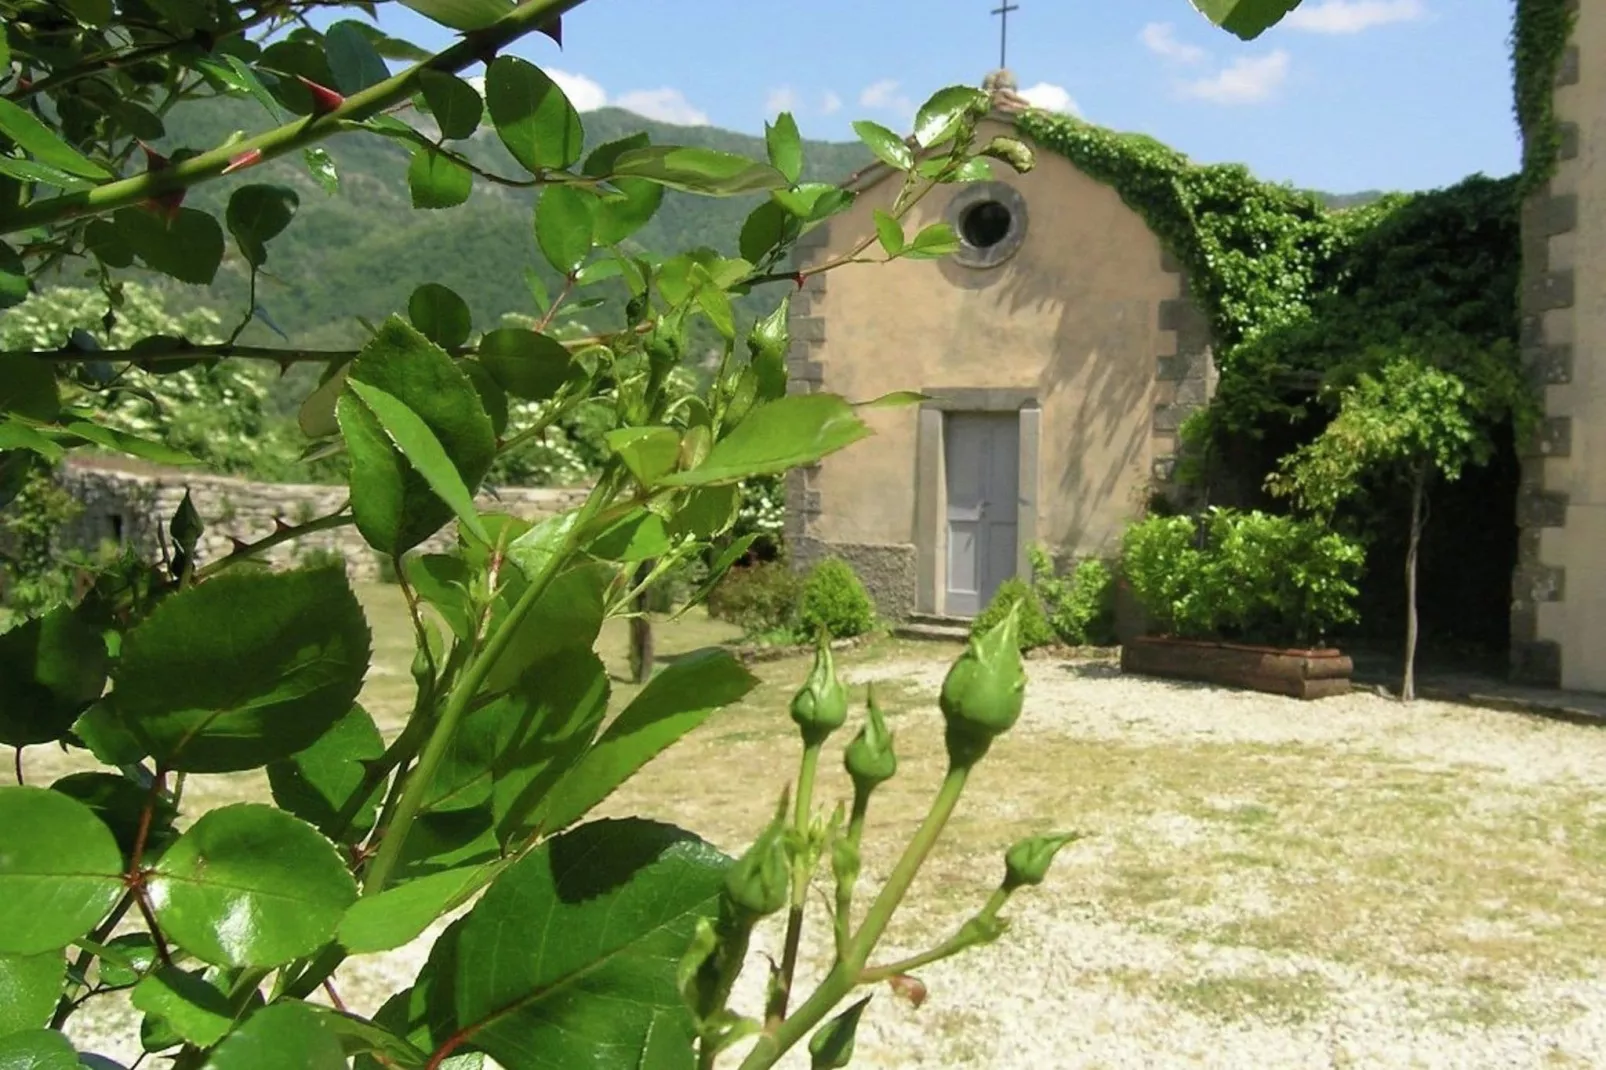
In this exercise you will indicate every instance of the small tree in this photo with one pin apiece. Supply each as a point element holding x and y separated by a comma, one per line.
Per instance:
<point>1411,417</point>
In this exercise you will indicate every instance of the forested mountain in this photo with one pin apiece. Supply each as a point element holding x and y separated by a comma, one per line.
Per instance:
<point>367,234</point>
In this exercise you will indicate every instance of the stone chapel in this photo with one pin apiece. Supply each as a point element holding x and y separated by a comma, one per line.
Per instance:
<point>1058,348</point>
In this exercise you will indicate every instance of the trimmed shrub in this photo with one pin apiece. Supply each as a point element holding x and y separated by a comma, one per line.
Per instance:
<point>835,600</point>
<point>1081,606</point>
<point>1035,630</point>
<point>759,598</point>
<point>1243,575</point>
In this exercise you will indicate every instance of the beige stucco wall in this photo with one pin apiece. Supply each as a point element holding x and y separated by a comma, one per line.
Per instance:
<point>1073,317</point>
<point>1577,620</point>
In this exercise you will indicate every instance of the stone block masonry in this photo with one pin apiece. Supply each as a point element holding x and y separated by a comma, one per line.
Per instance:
<point>132,505</point>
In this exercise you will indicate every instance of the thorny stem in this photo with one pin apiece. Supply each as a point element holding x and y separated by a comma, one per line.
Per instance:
<point>476,45</point>
<point>338,519</point>
<point>846,974</point>
<point>89,946</point>
<point>800,883</point>
<point>440,740</point>
<point>180,350</point>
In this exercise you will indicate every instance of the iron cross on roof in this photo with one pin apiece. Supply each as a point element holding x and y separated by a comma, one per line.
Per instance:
<point>1002,11</point>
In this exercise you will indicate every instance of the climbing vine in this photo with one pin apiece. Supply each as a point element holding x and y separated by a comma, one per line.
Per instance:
<point>1538,43</point>
<point>1296,293</point>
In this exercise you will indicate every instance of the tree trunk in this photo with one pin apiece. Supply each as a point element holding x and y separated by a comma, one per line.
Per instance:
<point>641,631</point>
<point>1412,546</point>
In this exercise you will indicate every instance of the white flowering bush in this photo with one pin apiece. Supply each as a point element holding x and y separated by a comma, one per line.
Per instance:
<point>216,413</point>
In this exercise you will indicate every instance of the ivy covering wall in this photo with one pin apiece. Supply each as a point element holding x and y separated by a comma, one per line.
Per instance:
<point>1301,296</point>
<point>1538,44</point>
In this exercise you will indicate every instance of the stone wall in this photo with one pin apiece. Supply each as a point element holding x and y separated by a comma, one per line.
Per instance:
<point>1558,612</point>
<point>133,505</point>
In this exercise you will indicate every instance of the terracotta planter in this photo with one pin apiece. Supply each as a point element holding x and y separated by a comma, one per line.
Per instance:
<point>1302,674</point>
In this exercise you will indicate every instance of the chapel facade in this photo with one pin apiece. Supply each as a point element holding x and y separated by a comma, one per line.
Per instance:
<point>1059,351</point>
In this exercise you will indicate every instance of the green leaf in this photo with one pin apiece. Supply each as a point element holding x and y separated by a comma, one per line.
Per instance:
<point>189,248</point>
<point>897,399</point>
<point>60,871</point>
<point>565,619</point>
<point>707,512</point>
<point>257,214</point>
<point>1247,19</point>
<point>108,739</point>
<point>533,118</point>
<point>40,142</point>
<point>352,57</point>
<point>13,278</point>
<point>442,580</point>
<point>890,233</point>
<point>51,669</point>
<point>284,1036</point>
<point>123,442</point>
<point>534,548</point>
<point>603,915</point>
<point>15,435</point>
<point>440,315</point>
<point>28,388</point>
<point>813,201</point>
<point>795,430</point>
<point>358,1037</point>
<point>317,783</point>
<point>119,802</point>
<point>248,885</point>
<point>456,106</point>
<point>208,688</point>
<point>763,230</point>
<point>940,117</point>
<point>187,1003</point>
<point>547,721</point>
<point>785,146</point>
<point>30,985</point>
<point>677,700</point>
<point>245,78</point>
<point>492,397</point>
<point>634,201</point>
<point>34,171</point>
<point>564,225</point>
<point>696,170</point>
<point>128,958</point>
<point>525,364</point>
<point>640,536</point>
<point>889,147</point>
<point>462,14</point>
<point>650,453</point>
<point>37,1049</point>
<point>399,915</point>
<point>934,240</point>
<point>413,437</point>
<point>448,840</point>
<point>394,505</point>
<point>322,169</point>
<point>435,180</point>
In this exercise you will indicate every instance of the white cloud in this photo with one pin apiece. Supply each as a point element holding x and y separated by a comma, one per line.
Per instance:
<point>583,93</point>
<point>1161,39</point>
<point>1352,16</point>
<point>665,105</point>
<point>779,100</point>
<point>884,96</point>
<point>1050,97</point>
<point>831,103</point>
<point>1247,81</point>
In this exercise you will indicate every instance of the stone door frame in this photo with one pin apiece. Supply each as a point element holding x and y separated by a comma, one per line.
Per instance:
<point>931,484</point>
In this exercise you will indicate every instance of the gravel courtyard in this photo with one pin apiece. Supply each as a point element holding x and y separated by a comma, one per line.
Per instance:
<point>1349,883</point>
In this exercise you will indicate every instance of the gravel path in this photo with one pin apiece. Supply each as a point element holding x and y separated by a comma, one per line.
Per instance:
<point>1073,985</point>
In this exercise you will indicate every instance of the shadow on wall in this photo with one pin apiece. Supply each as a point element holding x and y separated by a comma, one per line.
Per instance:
<point>1097,392</point>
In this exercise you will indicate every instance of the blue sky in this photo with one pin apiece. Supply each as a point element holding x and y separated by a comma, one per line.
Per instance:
<point>1348,95</point>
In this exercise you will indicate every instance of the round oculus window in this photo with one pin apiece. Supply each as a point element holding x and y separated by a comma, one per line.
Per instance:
<point>990,220</point>
<point>984,225</point>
